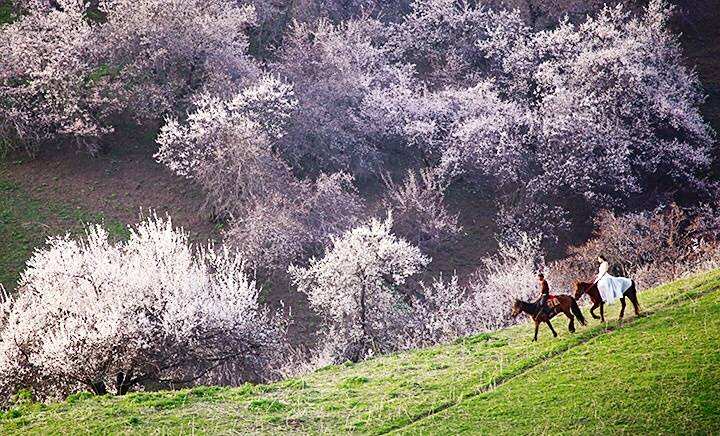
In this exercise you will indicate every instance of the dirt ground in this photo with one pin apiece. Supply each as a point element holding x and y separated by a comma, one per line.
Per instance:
<point>123,184</point>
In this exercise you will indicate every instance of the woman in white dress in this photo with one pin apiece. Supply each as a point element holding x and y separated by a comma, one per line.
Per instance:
<point>611,288</point>
<point>606,289</point>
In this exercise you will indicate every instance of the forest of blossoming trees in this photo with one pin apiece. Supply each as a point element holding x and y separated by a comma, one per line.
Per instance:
<point>326,137</point>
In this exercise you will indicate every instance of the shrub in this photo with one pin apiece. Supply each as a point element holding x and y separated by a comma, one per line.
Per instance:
<point>507,275</point>
<point>444,310</point>
<point>290,226</point>
<point>47,85</point>
<point>441,313</point>
<point>652,247</point>
<point>110,317</point>
<point>69,66</point>
<point>552,123</point>
<point>440,36</point>
<point>162,52</point>
<point>612,105</point>
<point>357,288</point>
<point>229,148</point>
<point>227,145</point>
<point>419,211</point>
<point>334,69</point>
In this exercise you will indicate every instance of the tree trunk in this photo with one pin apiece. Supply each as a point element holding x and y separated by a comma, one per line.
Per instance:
<point>123,382</point>
<point>98,387</point>
<point>363,318</point>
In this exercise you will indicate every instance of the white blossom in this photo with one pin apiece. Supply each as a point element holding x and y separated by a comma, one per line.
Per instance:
<point>356,287</point>
<point>93,314</point>
<point>162,52</point>
<point>419,211</point>
<point>334,68</point>
<point>50,81</point>
<point>229,148</point>
<point>592,111</point>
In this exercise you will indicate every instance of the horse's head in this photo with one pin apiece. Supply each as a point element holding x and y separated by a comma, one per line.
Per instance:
<point>579,290</point>
<point>516,309</point>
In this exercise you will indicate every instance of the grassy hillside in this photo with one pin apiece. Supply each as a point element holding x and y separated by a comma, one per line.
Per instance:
<point>26,221</point>
<point>659,374</point>
<point>59,192</point>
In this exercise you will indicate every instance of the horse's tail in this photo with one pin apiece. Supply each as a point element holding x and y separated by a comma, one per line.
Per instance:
<point>577,312</point>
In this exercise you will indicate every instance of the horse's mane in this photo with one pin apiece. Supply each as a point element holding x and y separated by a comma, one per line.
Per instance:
<point>587,285</point>
<point>527,304</point>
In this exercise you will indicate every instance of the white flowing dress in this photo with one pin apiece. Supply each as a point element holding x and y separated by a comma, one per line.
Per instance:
<point>611,288</point>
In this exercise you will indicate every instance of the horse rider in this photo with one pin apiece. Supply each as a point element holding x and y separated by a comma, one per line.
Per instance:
<point>544,293</point>
<point>611,287</point>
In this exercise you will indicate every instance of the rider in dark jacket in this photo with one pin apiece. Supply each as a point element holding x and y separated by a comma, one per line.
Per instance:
<point>544,293</point>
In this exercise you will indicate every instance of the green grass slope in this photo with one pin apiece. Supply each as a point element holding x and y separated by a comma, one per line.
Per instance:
<point>25,223</point>
<point>658,373</point>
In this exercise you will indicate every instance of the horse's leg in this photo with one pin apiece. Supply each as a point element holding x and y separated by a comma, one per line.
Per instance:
<point>622,307</point>
<point>602,312</point>
<point>592,310</point>
<point>551,328</point>
<point>632,295</point>
<point>636,304</point>
<point>537,325</point>
<point>571,325</point>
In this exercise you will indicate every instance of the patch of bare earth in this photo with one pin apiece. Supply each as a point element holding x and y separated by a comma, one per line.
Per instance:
<point>124,184</point>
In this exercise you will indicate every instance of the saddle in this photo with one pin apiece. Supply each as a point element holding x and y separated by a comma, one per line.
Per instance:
<point>551,305</point>
<point>553,301</point>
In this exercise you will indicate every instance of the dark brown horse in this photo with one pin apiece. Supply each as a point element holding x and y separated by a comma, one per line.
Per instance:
<point>593,292</point>
<point>557,304</point>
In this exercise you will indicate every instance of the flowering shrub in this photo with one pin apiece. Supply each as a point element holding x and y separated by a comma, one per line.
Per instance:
<point>419,211</point>
<point>334,68</point>
<point>612,104</point>
<point>570,119</point>
<point>505,276</point>
<point>444,310</point>
<point>652,247</point>
<point>357,288</point>
<point>110,317</point>
<point>227,145</point>
<point>229,148</point>
<point>162,52</point>
<point>288,227</point>
<point>49,79</point>
<point>440,36</point>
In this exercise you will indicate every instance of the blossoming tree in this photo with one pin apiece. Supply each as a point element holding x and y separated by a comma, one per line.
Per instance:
<point>357,288</point>
<point>49,78</point>
<point>109,317</point>
<point>161,52</point>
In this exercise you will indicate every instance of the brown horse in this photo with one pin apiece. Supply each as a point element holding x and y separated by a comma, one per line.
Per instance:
<point>593,292</point>
<point>561,303</point>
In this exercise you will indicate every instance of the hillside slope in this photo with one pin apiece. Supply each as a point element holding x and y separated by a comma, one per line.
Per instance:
<point>659,373</point>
